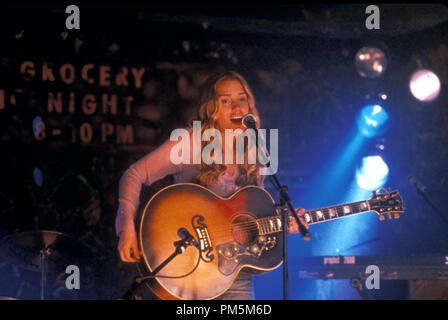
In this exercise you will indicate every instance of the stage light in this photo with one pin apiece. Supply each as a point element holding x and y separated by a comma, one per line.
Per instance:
<point>372,174</point>
<point>424,85</point>
<point>371,62</point>
<point>372,120</point>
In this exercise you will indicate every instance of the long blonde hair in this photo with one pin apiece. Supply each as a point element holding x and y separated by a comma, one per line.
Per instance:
<point>208,114</point>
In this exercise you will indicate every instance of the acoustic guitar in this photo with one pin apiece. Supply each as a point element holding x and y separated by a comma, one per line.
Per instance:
<point>241,231</point>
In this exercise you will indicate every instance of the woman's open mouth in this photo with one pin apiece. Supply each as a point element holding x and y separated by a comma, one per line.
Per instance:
<point>236,119</point>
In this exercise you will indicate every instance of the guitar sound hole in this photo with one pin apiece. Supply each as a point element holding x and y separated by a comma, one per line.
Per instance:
<point>244,230</point>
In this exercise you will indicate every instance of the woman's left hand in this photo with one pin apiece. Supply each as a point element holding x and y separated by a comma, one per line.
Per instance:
<point>293,227</point>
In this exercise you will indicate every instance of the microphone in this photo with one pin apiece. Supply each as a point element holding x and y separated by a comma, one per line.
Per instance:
<point>184,234</point>
<point>413,181</point>
<point>249,121</point>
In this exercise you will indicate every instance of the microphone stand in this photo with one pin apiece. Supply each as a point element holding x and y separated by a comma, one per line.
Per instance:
<point>286,207</point>
<point>135,291</point>
<point>425,197</point>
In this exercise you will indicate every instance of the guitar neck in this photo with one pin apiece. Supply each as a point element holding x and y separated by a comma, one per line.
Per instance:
<point>273,224</point>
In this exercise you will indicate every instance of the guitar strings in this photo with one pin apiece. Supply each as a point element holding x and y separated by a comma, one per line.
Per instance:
<point>243,226</point>
<point>251,225</point>
<point>254,222</point>
<point>226,233</point>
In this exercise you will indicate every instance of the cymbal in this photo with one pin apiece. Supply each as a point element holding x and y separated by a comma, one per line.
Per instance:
<point>25,249</point>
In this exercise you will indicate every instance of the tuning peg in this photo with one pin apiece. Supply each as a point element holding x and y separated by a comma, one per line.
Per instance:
<point>389,216</point>
<point>396,215</point>
<point>382,217</point>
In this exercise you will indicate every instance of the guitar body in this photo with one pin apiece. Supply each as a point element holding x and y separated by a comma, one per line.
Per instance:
<point>229,237</point>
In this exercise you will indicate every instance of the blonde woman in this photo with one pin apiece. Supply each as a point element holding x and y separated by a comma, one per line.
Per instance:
<point>226,99</point>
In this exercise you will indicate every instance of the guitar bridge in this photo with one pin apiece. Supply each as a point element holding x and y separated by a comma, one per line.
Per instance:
<point>203,237</point>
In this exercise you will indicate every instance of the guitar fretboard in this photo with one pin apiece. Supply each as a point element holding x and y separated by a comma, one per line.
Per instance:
<point>274,224</point>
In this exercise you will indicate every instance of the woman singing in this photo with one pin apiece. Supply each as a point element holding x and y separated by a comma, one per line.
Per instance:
<point>226,99</point>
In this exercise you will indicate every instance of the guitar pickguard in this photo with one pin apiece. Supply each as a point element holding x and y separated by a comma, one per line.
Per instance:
<point>232,254</point>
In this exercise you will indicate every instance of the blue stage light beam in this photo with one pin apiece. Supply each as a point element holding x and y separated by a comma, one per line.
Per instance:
<point>373,120</point>
<point>373,173</point>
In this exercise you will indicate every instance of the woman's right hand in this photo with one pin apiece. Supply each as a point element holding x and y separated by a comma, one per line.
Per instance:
<point>128,247</point>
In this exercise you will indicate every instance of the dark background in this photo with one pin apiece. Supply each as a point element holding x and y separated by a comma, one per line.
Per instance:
<point>299,62</point>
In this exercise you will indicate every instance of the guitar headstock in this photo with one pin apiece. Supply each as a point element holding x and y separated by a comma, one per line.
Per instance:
<point>386,202</point>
